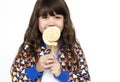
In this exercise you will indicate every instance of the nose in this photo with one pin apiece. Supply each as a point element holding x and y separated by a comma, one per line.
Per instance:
<point>51,22</point>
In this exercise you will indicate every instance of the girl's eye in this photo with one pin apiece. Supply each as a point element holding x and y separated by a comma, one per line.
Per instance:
<point>58,17</point>
<point>44,17</point>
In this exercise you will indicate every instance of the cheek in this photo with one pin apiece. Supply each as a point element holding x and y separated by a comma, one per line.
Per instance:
<point>41,26</point>
<point>61,26</point>
<point>41,29</point>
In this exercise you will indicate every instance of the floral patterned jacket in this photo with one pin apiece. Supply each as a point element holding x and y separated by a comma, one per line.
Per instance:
<point>24,67</point>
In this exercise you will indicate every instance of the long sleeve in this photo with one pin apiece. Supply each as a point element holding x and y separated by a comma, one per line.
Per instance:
<point>23,68</point>
<point>63,77</point>
<point>82,75</point>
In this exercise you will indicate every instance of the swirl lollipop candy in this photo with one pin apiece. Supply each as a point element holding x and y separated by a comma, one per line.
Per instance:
<point>51,35</point>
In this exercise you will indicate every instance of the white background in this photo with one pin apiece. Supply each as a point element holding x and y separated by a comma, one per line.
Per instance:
<point>97,24</point>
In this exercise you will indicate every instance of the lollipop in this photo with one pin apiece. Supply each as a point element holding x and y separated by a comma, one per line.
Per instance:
<point>51,35</point>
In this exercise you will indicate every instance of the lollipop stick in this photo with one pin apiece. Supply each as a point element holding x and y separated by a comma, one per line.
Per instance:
<point>53,49</point>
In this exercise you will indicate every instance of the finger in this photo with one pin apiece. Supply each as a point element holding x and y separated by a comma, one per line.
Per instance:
<point>47,66</point>
<point>55,66</point>
<point>45,58</point>
<point>49,56</point>
<point>49,62</point>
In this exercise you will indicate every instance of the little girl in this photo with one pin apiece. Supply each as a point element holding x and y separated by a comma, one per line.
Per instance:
<point>34,61</point>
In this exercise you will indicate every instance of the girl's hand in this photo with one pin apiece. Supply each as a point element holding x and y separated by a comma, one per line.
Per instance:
<point>44,62</point>
<point>56,68</point>
<point>49,62</point>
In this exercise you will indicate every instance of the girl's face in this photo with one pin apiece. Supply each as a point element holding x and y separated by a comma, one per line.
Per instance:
<point>47,21</point>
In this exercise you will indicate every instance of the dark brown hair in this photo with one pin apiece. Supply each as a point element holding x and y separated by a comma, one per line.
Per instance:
<point>33,36</point>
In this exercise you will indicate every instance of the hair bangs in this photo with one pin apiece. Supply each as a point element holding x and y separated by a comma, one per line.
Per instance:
<point>52,7</point>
